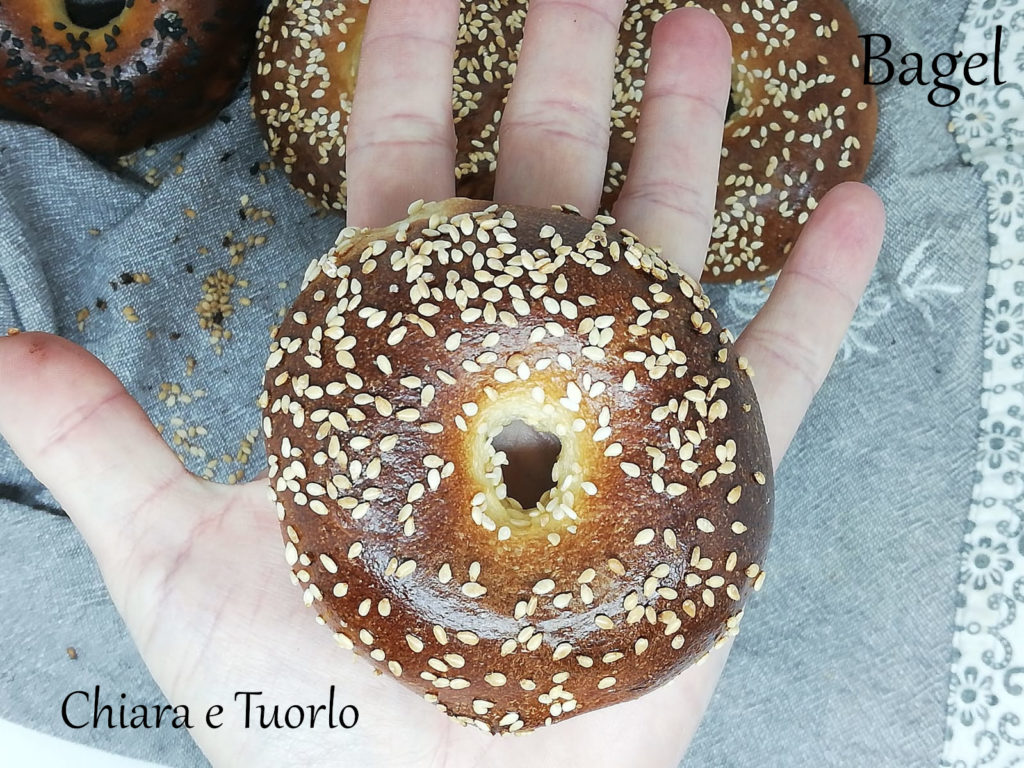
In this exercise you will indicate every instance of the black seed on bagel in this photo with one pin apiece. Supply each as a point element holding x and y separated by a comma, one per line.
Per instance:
<point>147,72</point>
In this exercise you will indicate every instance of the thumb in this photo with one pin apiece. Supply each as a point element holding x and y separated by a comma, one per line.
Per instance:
<point>77,429</point>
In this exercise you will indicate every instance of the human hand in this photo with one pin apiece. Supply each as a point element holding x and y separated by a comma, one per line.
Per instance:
<point>196,568</point>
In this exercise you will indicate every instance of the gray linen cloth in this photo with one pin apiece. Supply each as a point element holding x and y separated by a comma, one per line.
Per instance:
<point>173,271</point>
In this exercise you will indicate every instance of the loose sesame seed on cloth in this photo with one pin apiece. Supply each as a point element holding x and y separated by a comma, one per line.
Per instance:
<point>175,269</point>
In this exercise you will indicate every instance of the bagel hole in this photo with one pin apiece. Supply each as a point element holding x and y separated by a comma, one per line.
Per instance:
<point>93,14</point>
<point>530,460</point>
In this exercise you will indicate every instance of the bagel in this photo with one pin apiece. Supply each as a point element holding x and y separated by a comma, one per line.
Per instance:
<point>395,378</point>
<point>151,71</point>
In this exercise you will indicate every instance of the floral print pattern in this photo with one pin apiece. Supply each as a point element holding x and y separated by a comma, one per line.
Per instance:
<point>985,707</point>
<point>972,698</point>
<point>1006,197</point>
<point>985,564</point>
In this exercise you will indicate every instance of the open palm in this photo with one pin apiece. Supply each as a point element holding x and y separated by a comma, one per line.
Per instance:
<point>196,569</point>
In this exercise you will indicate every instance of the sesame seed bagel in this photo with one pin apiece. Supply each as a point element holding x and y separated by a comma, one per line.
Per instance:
<point>154,70</point>
<point>390,385</point>
<point>801,119</point>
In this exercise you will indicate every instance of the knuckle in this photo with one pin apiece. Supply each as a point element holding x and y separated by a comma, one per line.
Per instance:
<point>802,360</point>
<point>677,198</point>
<point>399,129</point>
<point>557,118</point>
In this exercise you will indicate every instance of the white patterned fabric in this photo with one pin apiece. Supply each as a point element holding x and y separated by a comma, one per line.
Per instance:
<point>985,725</point>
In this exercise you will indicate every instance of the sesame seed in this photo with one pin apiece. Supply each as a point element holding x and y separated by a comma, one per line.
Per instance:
<point>646,536</point>
<point>473,589</point>
<point>543,587</point>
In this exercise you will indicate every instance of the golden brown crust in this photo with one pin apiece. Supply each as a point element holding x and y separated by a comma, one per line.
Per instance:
<point>803,121</point>
<point>303,83</point>
<point>408,349</point>
<point>156,70</point>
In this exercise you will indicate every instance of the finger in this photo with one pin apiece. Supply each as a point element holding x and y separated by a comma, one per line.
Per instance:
<point>554,131</point>
<point>669,195</point>
<point>401,137</point>
<point>74,426</point>
<point>794,338</point>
